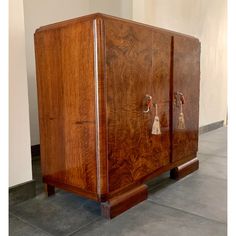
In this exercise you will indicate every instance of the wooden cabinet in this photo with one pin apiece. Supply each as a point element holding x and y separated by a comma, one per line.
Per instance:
<point>96,75</point>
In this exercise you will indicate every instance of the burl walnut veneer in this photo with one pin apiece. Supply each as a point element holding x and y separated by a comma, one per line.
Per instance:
<point>93,77</point>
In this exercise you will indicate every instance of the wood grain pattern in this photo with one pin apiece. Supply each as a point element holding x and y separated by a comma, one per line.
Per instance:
<point>186,79</point>
<point>65,75</point>
<point>136,65</point>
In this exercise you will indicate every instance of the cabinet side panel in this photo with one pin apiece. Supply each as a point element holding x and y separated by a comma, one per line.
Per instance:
<point>65,80</point>
<point>186,79</point>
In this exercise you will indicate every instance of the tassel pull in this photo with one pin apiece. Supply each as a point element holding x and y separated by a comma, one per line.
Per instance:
<point>156,127</point>
<point>181,122</point>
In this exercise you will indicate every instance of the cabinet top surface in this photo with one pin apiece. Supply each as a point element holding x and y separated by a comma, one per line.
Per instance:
<point>104,16</point>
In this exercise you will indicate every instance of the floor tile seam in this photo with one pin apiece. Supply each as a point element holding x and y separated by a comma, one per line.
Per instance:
<point>203,174</point>
<point>42,193</point>
<point>214,133</point>
<point>186,212</point>
<point>22,202</point>
<point>184,178</point>
<point>215,177</point>
<point>211,160</point>
<point>222,143</point>
<point>83,226</point>
<point>159,187</point>
<point>30,224</point>
<point>209,154</point>
<point>211,139</point>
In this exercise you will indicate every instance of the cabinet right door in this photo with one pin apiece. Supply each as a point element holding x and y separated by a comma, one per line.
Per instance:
<point>186,79</point>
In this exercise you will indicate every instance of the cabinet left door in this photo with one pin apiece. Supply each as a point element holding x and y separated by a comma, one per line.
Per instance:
<point>137,63</point>
<point>66,100</point>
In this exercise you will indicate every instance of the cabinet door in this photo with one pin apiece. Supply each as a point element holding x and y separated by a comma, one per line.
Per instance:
<point>137,63</point>
<point>186,77</point>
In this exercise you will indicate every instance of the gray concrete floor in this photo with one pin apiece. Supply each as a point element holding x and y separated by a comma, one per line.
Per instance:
<point>195,205</point>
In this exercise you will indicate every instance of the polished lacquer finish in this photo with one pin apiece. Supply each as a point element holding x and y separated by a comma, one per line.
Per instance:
<point>93,75</point>
<point>135,65</point>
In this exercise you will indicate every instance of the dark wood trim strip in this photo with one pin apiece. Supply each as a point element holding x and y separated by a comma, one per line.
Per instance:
<point>185,169</point>
<point>123,202</point>
<point>22,192</point>
<point>210,127</point>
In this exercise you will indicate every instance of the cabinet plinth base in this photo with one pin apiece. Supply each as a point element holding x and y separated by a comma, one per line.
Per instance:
<point>185,169</point>
<point>123,202</point>
<point>49,189</point>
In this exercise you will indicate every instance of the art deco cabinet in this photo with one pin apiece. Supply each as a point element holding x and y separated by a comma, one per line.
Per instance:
<point>118,105</point>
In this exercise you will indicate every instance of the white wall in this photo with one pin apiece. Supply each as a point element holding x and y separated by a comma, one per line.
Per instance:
<point>119,8</point>
<point>205,19</point>
<point>39,13</point>
<point>43,12</point>
<point>19,141</point>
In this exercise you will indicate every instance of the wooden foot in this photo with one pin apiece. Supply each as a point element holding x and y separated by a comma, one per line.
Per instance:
<point>123,202</point>
<point>185,169</point>
<point>49,189</point>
